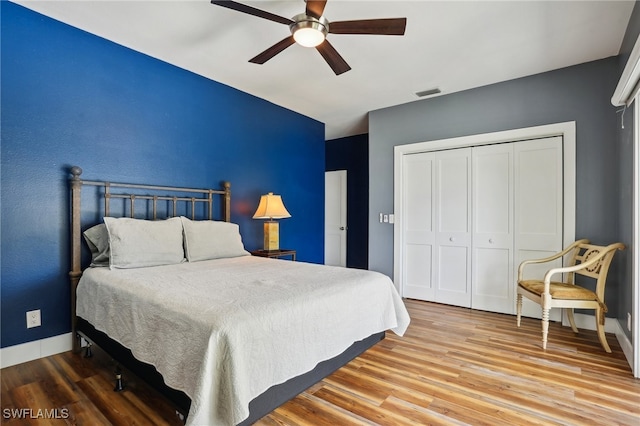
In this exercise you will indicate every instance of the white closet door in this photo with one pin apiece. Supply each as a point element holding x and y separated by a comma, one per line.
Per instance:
<point>471,215</point>
<point>452,274</point>
<point>538,208</point>
<point>418,226</point>
<point>493,285</point>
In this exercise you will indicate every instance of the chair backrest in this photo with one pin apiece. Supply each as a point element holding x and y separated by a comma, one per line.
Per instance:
<point>584,252</point>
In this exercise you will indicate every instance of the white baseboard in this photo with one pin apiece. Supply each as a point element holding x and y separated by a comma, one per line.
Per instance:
<point>588,322</point>
<point>625,343</point>
<point>611,325</point>
<point>29,351</point>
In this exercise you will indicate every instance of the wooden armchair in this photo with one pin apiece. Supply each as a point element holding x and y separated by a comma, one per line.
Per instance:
<point>585,259</point>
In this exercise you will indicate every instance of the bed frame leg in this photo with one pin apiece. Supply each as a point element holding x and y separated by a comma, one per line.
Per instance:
<point>88,353</point>
<point>76,343</point>
<point>119,384</point>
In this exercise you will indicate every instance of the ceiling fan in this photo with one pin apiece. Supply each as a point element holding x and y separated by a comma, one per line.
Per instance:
<point>310,29</point>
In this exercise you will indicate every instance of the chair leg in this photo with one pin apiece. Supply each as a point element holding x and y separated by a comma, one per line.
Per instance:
<point>518,309</point>
<point>545,327</point>
<point>600,327</point>
<point>571,319</point>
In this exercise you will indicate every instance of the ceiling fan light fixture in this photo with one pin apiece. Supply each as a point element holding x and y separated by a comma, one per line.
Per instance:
<point>309,31</point>
<point>308,37</point>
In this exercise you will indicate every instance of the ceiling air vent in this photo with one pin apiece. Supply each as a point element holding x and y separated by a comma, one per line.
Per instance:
<point>428,92</point>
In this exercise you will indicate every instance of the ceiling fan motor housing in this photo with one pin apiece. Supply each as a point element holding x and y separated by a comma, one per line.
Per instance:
<point>309,31</point>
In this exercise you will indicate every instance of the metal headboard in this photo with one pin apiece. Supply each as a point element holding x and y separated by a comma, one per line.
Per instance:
<point>131,192</point>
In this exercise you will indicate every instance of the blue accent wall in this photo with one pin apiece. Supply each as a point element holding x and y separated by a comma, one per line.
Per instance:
<point>71,98</point>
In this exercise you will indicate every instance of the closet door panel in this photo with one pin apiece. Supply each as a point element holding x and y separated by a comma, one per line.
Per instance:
<point>492,266</point>
<point>453,282</point>
<point>493,229</point>
<point>418,272</point>
<point>418,224</point>
<point>453,227</point>
<point>539,193</point>
<point>538,208</point>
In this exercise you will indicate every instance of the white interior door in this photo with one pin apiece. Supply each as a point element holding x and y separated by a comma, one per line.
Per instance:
<point>452,275</point>
<point>492,277</point>
<point>538,209</point>
<point>418,226</point>
<point>335,218</point>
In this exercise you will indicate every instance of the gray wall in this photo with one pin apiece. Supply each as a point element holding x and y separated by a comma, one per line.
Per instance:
<point>625,140</point>
<point>581,93</point>
<point>625,193</point>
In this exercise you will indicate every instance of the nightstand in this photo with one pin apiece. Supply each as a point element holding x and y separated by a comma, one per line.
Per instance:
<point>275,253</point>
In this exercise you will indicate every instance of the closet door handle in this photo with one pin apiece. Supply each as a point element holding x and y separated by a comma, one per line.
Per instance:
<point>490,240</point>
<point>452,239</point>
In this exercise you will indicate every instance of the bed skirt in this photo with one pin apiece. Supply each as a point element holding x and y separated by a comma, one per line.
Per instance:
<point>260,406</point>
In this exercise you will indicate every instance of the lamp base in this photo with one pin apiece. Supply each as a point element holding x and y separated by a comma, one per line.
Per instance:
<point>271,236</point>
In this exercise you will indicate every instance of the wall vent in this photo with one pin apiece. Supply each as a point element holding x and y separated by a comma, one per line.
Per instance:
<point>428,92</point>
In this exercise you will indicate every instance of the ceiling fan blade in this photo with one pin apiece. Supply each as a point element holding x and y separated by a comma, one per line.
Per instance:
<point>252,11</point>
<point>333,58</point>
<point>273,51</point>
<point>390,26</point>
<point>315,8</point>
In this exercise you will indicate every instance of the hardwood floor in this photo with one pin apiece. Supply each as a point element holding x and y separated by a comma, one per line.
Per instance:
<point>453,366</point>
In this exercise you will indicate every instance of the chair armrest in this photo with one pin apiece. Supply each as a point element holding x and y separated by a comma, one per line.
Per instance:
<point>550,258</point>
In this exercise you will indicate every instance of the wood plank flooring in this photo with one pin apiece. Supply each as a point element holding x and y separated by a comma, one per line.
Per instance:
<point>454,366</point>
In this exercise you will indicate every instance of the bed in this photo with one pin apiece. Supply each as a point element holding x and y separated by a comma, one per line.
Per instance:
<point>226,336</point>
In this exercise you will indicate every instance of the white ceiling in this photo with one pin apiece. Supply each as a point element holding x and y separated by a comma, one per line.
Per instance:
<point>452,45</point>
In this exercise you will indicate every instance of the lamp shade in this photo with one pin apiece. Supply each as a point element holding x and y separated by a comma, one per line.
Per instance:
<point>271,207</point>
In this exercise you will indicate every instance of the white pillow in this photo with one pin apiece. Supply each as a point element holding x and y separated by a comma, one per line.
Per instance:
<point>208,239</point>
<point>137,243</point>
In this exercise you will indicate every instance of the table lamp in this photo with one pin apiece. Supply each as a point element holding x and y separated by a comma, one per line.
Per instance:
<point>271,207</point>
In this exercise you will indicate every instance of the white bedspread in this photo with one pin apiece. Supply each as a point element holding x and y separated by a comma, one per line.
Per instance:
<point>224,331</point>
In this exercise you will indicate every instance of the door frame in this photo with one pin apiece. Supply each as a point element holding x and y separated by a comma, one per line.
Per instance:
<point>634,359</point>
<point>568,132</point>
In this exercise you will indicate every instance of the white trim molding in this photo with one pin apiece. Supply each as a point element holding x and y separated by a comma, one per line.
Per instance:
<point>612,325</point>
<point>588,322</point>
<point>628,84</point>
<point>625,343</point>
<point>17,354</point>
<point>635,243</point>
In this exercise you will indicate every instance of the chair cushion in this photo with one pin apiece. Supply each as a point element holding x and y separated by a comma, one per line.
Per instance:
<point>559,290</point>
